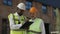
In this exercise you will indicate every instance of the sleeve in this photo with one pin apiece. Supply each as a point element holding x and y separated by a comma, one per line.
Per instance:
<point>42,27</point>
<point>12,25</point>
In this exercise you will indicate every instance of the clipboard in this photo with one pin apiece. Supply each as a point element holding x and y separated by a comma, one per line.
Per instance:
<point>26,25</point>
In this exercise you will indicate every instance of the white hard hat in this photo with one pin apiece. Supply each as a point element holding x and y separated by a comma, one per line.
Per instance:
<point>21,6</point>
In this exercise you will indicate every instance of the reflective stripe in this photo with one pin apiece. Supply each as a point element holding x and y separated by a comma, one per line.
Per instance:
<point>15,19</point>
<point>22,18</point>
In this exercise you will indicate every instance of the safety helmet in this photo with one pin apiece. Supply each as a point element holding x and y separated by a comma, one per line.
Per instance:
<point>33,10</point>
<point>21,6</point>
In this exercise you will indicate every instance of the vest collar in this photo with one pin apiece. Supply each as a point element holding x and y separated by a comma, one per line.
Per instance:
<point>16,14</point>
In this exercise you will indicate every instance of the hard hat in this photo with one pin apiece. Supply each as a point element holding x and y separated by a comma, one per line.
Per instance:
<point>21,6</point>
<point>33,10</point>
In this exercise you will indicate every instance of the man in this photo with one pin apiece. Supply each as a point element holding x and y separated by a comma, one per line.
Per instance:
<point>17,20</point>
<point>37,27</point>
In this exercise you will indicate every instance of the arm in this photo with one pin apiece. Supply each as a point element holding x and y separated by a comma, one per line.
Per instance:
<point>42,27</point>
<point>12,25</point>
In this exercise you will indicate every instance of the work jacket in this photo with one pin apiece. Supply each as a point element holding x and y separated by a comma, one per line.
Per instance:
<point>16,22</point>
<point>37,27</point>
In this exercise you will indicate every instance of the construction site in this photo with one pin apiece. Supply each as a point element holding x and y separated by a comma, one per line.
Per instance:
<point>48,12</point>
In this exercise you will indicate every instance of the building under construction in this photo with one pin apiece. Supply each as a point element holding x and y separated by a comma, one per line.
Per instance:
<point>46,12</point>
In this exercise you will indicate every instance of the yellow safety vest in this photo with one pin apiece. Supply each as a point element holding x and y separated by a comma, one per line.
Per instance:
<point>16,22</point>
<point>35,26</point>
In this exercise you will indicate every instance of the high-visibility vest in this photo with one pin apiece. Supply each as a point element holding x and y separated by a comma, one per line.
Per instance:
<point>36,26</point>
<point>19,19</point>
<point>16,22</point>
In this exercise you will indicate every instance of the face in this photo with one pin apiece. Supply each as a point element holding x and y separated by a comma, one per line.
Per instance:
<point>20,11</point>
<point>33,15</point>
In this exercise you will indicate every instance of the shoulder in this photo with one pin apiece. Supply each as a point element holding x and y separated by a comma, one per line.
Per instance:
<point>10,14</point>
<point>16,13</point>
<point>40,19</point>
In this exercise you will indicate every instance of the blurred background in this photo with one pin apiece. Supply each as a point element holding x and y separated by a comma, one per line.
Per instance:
<point>48,10</point>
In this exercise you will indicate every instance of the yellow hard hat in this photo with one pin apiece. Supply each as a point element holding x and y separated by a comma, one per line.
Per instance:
<point>33,10</point>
